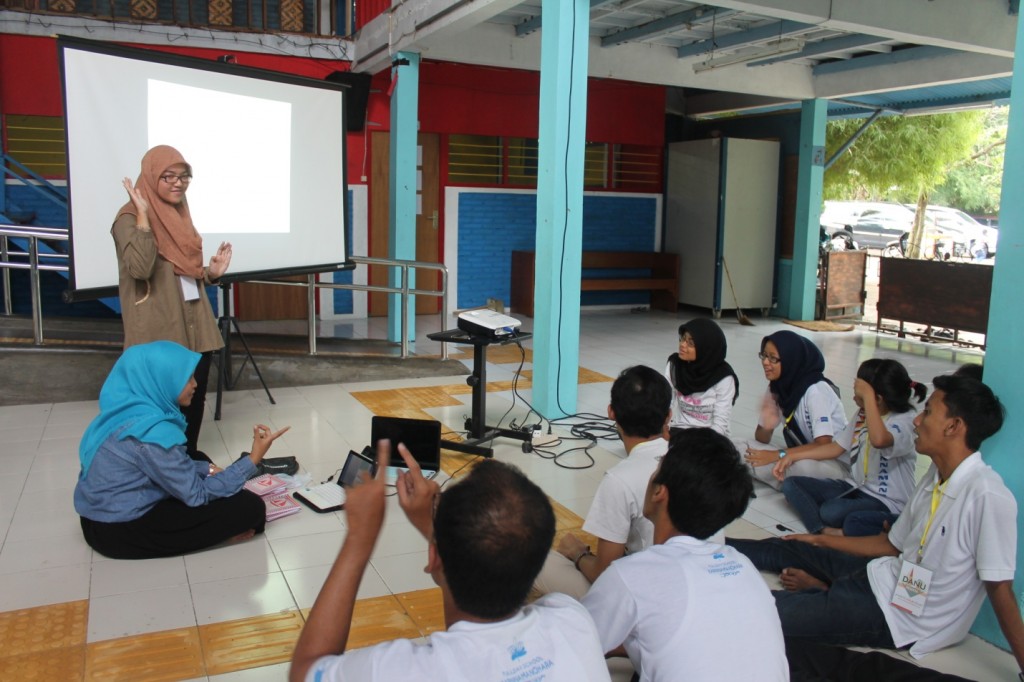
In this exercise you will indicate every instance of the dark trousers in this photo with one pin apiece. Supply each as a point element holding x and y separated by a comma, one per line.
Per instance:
<point>172,528</point>
<point>195,411</point>
<point>810,662</point>
<point>846,614</point>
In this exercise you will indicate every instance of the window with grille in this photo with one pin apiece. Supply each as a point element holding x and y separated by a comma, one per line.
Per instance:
<point>487,160</point>
<point>37,142</point>
<point>474,160</point>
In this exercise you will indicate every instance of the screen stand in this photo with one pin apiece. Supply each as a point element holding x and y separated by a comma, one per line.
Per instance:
<point>224,378</point>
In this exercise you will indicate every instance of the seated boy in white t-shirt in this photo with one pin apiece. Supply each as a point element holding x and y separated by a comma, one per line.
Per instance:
<point>487,538</point>
<point>641,405</point>
<point>689,608</point>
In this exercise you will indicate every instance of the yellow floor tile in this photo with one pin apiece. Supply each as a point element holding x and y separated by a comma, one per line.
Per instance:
<point>156,657</point>
<point>250,642</point>
<point>426,608</point>
<point>67,663</point>
<point>380,619</point>
<point>57,626</point>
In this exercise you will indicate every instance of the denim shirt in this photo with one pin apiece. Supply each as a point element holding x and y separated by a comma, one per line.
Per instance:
<point>128,477</point>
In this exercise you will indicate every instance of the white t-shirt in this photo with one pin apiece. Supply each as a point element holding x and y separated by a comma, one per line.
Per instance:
<point>890,471</point>
<point>711,408</point>
<point>818,413</point>
<point>973,538</point>
<point>617,512</point>
<point>690,610</point>
<point>553,639</point>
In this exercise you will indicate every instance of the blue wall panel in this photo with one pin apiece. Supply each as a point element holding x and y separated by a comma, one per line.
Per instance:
<point>343,297</point>
<point>493,224</point>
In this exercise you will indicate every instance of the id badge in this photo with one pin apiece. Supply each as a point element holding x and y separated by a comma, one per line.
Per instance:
<point>189,289</point>
<point>912,586</point>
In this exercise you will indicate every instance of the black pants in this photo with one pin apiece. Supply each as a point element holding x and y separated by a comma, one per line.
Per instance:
<point>819,662</point>
<point>196,409</point>
<point>172,528</point>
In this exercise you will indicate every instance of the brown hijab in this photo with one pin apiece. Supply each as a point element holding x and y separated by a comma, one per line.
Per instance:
<point>176,237</point>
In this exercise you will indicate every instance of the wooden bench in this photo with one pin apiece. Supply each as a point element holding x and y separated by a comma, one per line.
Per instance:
<point>662,279</point>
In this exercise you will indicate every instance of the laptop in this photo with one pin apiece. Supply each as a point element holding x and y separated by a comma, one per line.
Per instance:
<point>421,436</point>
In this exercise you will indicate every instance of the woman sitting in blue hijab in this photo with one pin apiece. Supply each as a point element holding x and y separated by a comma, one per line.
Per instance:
<point>139,494</point>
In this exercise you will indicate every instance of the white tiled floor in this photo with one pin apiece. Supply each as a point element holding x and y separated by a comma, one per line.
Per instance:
<point>43,559</point>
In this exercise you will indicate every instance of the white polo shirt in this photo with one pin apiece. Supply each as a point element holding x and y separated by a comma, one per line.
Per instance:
<point>690,610</point>
<point>552,639</point>
<point>973,538</point>
<point>890,471</point>
<point>617,512</point>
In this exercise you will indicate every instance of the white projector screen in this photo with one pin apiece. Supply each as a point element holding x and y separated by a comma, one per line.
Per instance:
<point>267,152</point>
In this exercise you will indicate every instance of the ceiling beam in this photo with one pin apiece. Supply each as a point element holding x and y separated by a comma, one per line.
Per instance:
<point>824,47</point>
<point>533,23</point>
<point>697,15</point>
<point>882,60</point>
<point>778,29</point>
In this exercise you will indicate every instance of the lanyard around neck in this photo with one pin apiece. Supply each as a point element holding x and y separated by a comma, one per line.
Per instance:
<point>937,493</point>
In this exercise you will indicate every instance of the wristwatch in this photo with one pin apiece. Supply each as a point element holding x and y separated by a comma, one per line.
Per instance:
<point>585,552</point>
<point>782,453</point>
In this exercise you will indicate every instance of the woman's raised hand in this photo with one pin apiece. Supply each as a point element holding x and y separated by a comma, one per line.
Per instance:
<point>141,205</point>
<point>220,261</point>
<point>262,439</point>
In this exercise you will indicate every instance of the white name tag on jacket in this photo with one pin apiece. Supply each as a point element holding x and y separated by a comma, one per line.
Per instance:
<point>189,288</point>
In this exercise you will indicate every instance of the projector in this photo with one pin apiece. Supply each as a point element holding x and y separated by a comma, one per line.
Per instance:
<point>488,323</point>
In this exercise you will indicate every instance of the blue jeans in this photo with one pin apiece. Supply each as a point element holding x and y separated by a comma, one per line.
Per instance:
<point>822,502</point>
<point>846,614</point>
<point>868,522</point>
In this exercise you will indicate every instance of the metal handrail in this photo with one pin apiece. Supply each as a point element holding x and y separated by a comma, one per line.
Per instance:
<point>404,290</point>
<point>35,234</point>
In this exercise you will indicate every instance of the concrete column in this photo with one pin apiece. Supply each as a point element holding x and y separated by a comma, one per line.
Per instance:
<point>1004,371</point>
<point>405,74</point>
<point>563,120</point>
<point>798,302</point>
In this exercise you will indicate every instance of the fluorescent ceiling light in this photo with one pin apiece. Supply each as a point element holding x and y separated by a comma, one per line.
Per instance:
<point>773,49</point>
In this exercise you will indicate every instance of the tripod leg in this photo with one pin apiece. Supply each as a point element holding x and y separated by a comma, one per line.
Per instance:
<point>222,363</point>
<point>248,354</point>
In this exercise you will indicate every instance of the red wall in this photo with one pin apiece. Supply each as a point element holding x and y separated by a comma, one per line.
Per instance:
<point>454,98</point>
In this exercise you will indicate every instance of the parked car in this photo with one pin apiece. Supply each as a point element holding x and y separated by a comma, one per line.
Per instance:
<point>873,224</point>
<point>962,236</point>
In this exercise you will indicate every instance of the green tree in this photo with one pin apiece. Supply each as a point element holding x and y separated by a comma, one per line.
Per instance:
<point>974,184</point>
<point>902,158</point>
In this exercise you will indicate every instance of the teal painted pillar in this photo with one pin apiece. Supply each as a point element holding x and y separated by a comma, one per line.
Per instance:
<point>405,76</point>
<point>563,120</point>
<point>798,302</point>
<point>1004,371</point>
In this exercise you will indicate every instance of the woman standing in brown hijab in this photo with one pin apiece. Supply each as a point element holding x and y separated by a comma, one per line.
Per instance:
<point>161,273</point>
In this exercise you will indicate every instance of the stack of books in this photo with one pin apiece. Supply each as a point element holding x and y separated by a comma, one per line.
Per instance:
<point>272,490</point>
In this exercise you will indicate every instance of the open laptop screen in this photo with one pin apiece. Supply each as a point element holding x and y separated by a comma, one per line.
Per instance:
<point>421,436</point>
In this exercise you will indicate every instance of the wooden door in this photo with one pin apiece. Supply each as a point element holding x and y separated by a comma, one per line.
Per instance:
<point>271,301</point>
<point>428,230</point>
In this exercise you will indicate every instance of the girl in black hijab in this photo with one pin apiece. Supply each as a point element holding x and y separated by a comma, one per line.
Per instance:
<point>803,402</point>
<point>704,384</point>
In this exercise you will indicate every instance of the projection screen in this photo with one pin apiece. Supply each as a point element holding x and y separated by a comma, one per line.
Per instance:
<point>267,152</point>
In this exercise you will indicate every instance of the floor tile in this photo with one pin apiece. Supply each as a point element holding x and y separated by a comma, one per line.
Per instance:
<point>243,597</point>
<point>252,557</point>
<point>250,642</point>
<point>44,587</point>
<point>135,613</point>
<point>43,553</point>
<point>404,572</point>
<point>113,576</point>
<point>307,550</point>
<point>173,655</point>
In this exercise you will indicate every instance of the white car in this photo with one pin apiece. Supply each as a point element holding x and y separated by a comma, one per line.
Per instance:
<point>962,236</point>
<point>873,224</point>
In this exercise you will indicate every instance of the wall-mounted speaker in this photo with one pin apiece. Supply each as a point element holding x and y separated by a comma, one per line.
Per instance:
<point>357,96</point>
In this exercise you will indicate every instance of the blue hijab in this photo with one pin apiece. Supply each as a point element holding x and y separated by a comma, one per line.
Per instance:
<point>140,398</point>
